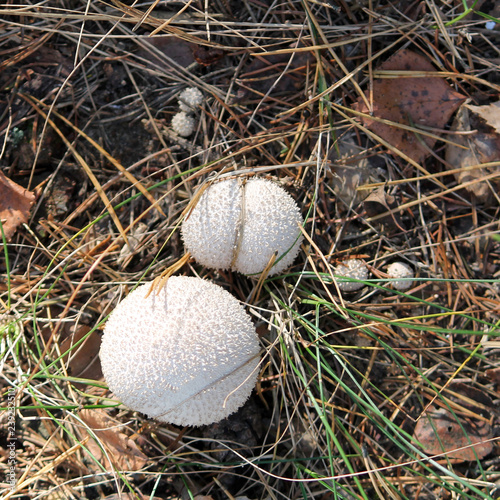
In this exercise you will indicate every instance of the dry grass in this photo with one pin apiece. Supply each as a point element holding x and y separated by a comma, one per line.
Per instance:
<point>87,97</point>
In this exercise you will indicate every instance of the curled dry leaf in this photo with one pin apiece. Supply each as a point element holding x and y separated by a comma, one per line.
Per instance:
<point>122,451</point>
<point>439,432</point>
<point>481,146</point>
<point>413,101</point>
<point>82,361</point>
<point>490,114</point>
<point>463,437</point>
<point>15,205</point>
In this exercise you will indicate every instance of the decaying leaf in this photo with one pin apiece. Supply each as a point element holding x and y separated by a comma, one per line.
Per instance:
<point>439,433</point>
<point>490,114</point>
<point>350,170</point>
<point>82,361</point>
<point>464,436</point>
<point>412,101</point>
<point>481,146</point>
<point>15,205</point>
<point>379,202</point>
<point>112,443</point>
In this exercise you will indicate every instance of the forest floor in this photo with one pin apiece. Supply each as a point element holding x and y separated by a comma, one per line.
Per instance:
<point>381,120</point>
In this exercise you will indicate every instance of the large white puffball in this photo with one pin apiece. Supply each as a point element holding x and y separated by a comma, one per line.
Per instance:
<point>239,225</point>
<point>187,354</point>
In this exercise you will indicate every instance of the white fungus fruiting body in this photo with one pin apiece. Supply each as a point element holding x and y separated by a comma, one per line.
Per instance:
<point>187,354</point>
<point>240,225</point>
<point>354,269</point>
<point>183,124</point>
<point>401,270</point>
<point>190,99</point>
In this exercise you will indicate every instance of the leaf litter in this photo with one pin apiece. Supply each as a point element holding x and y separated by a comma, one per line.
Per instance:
<point>423,102</point>
<point>464,435</point>
<point>15,205</point>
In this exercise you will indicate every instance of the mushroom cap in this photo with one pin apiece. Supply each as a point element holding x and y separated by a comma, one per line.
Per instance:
<point>190,99</point>
<point>400,270</point>
<point>183,124</point>
<point>240,225</point>
<point>354,269</point>
<point>187,354</point>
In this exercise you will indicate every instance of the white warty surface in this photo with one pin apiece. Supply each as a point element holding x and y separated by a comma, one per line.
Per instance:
<point>354,269</point>
<point>187,354</point>
<point>183,124</point>
<point>401,270</point>
<point>240,225</point>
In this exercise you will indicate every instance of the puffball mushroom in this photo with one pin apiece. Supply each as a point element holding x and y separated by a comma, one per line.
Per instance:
<point>354,269</point>
<point>187,353</point>
<point>240,225</point>
<point>190,99</point>
<point>183,124</point>
<point>401,270</point>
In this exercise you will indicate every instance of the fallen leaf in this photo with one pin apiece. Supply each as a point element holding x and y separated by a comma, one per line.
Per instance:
<point>15,205</point>
<point>441,432</point>
<point>350,170</point>
<point>118,447</point>
<point>83,360</point>
<point>490,114</point>
<point>379,202</point>
<point>494,375</point>
<point>481,146</point>
<point>411,101</point>
<point>174,48</point>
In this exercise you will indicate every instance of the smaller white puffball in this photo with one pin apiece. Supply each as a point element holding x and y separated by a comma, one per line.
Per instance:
<point>354,269</point>
<point>190,99</point>
<point>183,124</point>
<point>401,270</point>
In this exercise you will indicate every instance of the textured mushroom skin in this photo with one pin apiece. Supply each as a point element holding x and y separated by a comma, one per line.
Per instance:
<point>187,354</point>
<point>240,225</point>
<point>400,270</point>
<point>354,269</point>
<point>211,229</point>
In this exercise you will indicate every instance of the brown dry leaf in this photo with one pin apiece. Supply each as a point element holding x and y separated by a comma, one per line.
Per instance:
<point>494,375</point>
<point>442,432</point>
<point>174,48</point>
<point>119,448</point>
<point>15,205</point>
<point>482,146</point>
<point>379,202</point>
<point>490,114</point>
<point>411,101</point>
<point>82,361</point>
<point>439,433</point>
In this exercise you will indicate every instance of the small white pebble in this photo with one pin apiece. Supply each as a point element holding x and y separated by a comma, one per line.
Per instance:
<point>354,269</point>
<point>190,99</point>
<point>401,270</point>
<point>183,124</point>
